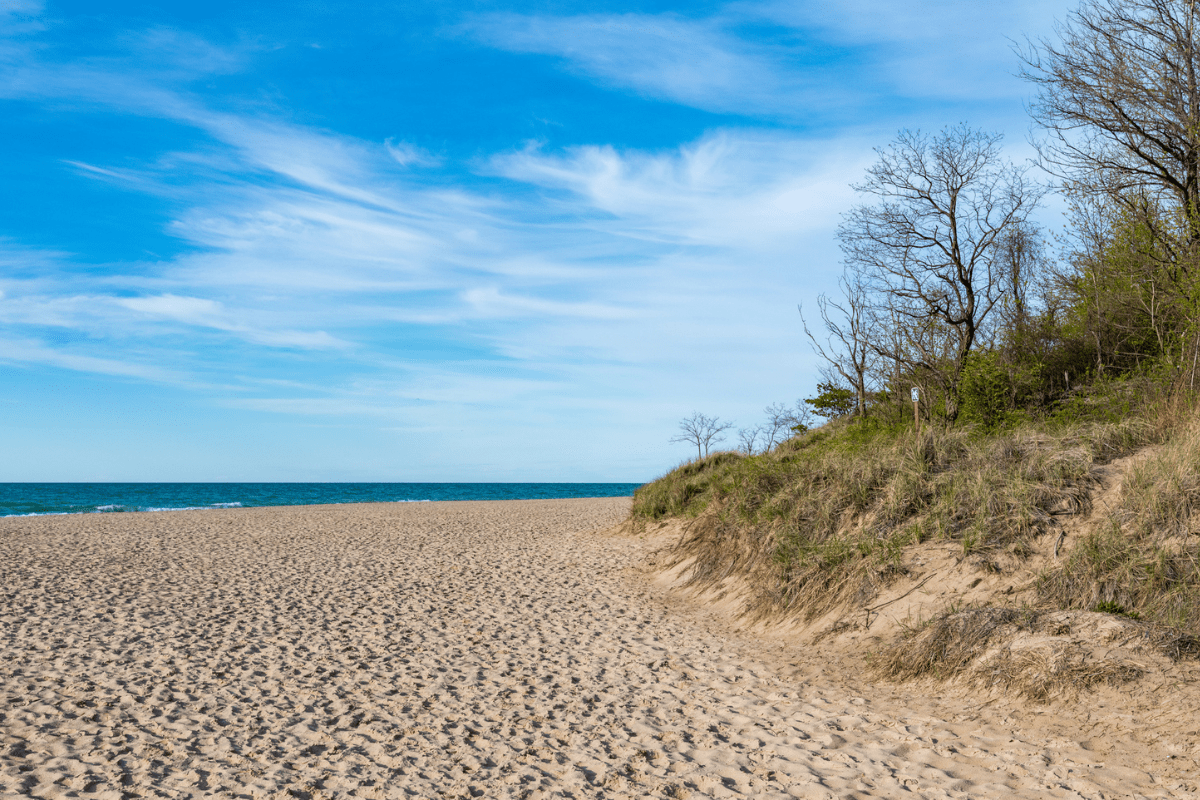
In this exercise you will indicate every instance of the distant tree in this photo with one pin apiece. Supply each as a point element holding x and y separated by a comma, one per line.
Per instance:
<point>783,421</point>
<point>702,431</point>
<point>748,439</point>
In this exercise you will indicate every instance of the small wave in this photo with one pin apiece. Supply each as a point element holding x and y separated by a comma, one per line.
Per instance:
<point>192,508</point>
<point>42,514</point>
<point>116,508</point>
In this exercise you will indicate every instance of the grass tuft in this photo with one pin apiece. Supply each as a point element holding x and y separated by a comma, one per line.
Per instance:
<point>983,646</point>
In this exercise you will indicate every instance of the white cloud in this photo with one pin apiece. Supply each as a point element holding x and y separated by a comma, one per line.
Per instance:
<point>732,188</point>
<point>956,24</point>
<point>629,256</point>
<point>185,53</point>
<point>694,62</point>
<point>946,49</point>
<point>30,351</point>
<point>818,61</point>
<point>409,155</point>
<point>615,285</point>
<point>211,314</point>
<point>491,302</point>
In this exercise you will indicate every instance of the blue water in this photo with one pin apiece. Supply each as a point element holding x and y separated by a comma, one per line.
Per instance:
<point>84,498</point>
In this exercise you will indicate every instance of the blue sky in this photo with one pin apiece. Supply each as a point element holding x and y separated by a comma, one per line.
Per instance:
<point>440,241</point>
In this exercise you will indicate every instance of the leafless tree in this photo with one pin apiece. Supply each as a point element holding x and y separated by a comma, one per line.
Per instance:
<point>782,422</point>
<point>847,350</point>
<point>929,251</point>
<point>1024,270</point>
<point>1119,100</point>
<point>748,439</point>
<point>702,431</point>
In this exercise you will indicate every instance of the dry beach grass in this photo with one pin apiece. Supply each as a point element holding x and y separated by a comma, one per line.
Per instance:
<point>516,649</point>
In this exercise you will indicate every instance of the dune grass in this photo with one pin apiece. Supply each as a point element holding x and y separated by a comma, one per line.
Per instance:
<point>823,519</point>
<point>1145,559</point>
<point>959,644</point>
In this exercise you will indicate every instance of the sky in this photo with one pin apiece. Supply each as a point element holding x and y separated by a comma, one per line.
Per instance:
<point>427,241</point>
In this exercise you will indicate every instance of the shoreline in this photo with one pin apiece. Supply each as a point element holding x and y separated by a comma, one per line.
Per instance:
<point>58,499</point>
<point>463,648</point>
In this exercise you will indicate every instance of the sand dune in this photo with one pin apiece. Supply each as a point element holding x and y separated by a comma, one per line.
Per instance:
<point>452,650</point>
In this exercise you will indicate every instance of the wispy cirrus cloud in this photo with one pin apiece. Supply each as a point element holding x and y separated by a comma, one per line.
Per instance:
<point>491,302</point>
<point>731,188</point>
<point>809,63</point>
<point>694,62</point>
<point>947,49</point>
<point>617,262</point>
<point>31,351</point>
<point>203,313</point>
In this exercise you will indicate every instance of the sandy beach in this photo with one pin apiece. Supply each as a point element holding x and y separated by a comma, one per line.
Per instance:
<point>445,650</point>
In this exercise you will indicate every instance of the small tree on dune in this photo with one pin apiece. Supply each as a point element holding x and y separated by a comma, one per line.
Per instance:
<point>702,431</point>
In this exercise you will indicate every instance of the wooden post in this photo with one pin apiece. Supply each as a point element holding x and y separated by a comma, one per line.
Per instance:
<point>916,400</point>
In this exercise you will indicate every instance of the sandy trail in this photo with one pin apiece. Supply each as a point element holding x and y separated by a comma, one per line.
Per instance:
<point>446,650</point>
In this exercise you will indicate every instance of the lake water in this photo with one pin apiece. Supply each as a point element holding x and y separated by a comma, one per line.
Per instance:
<point>107,498</point>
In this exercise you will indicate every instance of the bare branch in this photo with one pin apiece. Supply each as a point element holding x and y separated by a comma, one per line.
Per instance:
<point>702,431</point>
<point>847,349</point>
<point>1119,102</point>
<point>748,439</point>
<point>930,252</point>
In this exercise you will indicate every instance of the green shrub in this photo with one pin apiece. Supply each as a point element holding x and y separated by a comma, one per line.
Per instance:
<point>832,401</point>
<point>985,392</point>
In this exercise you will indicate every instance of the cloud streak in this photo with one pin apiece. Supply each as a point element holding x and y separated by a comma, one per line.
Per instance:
<point>818,64</point>
<point>203,313</point>
<point>25,351</point>
<point>664,56</point>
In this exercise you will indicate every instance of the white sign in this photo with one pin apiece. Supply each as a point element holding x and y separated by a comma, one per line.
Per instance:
<point>916,394</point>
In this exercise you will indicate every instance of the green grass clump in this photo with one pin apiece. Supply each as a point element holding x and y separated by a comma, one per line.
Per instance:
<point>1109,607</point>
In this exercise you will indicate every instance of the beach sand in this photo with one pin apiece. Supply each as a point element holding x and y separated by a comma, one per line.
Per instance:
<point>490,649</point>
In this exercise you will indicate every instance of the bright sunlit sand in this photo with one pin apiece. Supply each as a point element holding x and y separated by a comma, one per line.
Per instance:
<point>488,649</point>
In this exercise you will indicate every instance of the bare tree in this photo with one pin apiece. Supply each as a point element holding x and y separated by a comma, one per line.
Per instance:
<point>748,439</point>
<point>782,422</point>
<point>1119,99</point>
<point>1022,267</point>
<point>702,431</point>
<point>929,250</point>
<point>847,350</point>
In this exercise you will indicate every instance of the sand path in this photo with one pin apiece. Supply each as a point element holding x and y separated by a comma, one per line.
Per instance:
<point>442,650</point>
